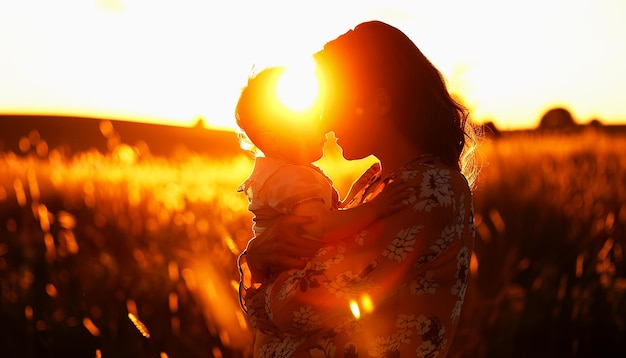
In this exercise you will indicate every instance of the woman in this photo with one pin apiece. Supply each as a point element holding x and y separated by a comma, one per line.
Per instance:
<point>397,288</point>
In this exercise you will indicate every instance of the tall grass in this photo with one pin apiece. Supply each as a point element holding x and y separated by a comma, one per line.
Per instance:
<point>551,221</point>
<point>88,240</point>
<point>124,254</point>
<point>127,255</point>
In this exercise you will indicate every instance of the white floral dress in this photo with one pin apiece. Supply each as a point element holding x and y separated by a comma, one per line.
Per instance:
<point>393,290</point>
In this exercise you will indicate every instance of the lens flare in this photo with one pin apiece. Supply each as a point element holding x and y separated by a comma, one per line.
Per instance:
<point>366,303</point>
<point>354,307</point>
<point>141,327</point>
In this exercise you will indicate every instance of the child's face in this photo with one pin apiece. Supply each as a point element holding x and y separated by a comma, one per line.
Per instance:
<point>303,142</point>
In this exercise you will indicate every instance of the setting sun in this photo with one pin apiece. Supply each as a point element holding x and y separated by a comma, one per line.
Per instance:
<point>298,88</point>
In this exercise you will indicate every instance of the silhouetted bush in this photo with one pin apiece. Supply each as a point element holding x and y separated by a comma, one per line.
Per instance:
<point>557,119</point>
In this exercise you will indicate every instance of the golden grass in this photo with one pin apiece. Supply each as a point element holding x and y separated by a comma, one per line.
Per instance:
<point>551,223</point>
<point>95,237</point>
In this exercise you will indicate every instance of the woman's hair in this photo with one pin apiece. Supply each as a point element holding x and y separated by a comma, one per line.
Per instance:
<point>257,108</point>
<point>377,55</point>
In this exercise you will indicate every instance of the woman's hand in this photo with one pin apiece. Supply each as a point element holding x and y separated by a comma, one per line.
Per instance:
<point>281,246</point>
<point>393,198</point>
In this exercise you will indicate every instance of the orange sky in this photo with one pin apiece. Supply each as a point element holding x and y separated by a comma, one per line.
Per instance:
<point>175,61</point>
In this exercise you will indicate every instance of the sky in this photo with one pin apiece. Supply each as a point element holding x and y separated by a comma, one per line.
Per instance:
<point>175,61</point>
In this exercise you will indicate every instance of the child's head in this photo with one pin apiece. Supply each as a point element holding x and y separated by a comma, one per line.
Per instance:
<point>272,127</point>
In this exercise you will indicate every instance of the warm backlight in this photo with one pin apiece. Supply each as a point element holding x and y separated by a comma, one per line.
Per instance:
<point>298,87</point>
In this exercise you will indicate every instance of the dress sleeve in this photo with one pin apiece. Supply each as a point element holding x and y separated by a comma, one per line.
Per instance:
<point>360,184</point>
<point>291,185</point>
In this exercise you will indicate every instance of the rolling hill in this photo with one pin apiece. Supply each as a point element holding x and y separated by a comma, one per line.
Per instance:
<point>76,134</point>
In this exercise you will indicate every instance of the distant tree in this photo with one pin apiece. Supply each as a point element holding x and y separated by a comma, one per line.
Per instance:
<point>490,129</point>
<point>596,123</point>
<point>557,119</point>
<point>199,123</point>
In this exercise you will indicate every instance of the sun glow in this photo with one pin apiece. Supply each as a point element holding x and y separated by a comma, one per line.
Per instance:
<point>175,63</point>
<point>298,87</point>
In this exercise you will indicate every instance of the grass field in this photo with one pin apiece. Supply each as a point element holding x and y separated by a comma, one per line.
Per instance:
<point>551,223</point>
<point>128,255</point>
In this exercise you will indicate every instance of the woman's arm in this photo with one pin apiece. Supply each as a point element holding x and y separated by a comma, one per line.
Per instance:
<point>338,224</point>
<point>281,246</point>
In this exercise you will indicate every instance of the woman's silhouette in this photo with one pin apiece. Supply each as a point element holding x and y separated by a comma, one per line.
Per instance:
<point>397,288</point>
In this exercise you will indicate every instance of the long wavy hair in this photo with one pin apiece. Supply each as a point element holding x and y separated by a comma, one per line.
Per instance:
<point>375,54</point>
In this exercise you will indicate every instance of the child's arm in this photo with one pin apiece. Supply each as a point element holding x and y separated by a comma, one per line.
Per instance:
<point>361,182</point>
<point>343,223</point>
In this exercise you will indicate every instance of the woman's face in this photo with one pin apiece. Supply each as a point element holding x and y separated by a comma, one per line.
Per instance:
<point>352,120</point>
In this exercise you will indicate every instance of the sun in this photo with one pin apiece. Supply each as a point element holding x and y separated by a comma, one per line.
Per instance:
<point>298,87</point>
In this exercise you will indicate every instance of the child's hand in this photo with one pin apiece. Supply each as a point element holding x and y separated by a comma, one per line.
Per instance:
<point>392,198</point>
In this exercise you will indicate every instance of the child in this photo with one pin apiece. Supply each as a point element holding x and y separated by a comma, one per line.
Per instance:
<point>284,181</point>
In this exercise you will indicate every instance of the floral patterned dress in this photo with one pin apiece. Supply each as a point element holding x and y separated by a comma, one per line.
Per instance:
<point>393,290</point>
